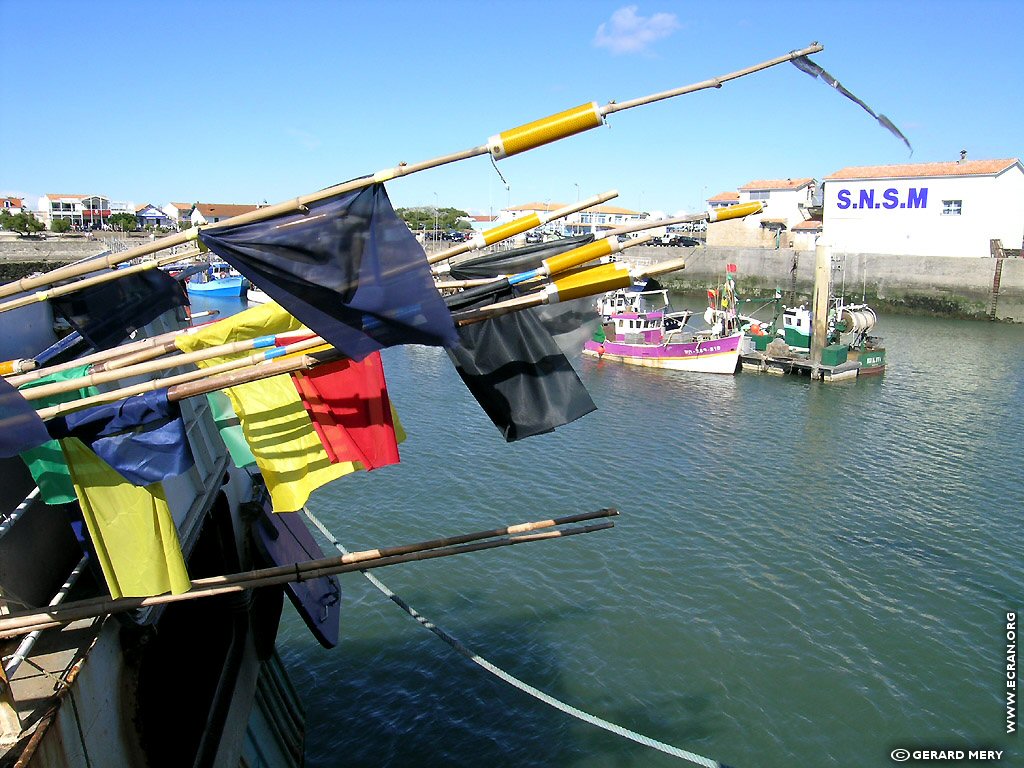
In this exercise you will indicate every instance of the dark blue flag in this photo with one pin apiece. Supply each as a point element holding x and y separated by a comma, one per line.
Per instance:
<point>106,314</point>
<point>348,268</point>
<point>20,425</point>
<point>141,437</point>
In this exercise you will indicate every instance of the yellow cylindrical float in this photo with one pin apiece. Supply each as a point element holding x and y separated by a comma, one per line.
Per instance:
<point>511,228</point>
<point>735,211</point>
<point>577,256</point>
<point>589,282</point>
<point>545,130</point>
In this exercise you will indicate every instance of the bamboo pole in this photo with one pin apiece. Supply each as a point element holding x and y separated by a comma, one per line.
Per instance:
<point>715,82</point>
<point>153,366</point>
<point>721,214</point>
<point>505,144</point>
<point>517,227</point>
<point>168,381</point>
<point>401,549</point>
<point>23,622</point>
<point>109,354</point>
<point>63,290</point>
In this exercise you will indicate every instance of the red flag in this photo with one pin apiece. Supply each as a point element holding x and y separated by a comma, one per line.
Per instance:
<point>350,409</point>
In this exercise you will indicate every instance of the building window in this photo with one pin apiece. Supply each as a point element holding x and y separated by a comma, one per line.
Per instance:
<point>951,207</point>
<point>759,194</point>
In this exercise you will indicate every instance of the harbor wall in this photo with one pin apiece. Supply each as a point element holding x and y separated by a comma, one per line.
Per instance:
<point>954,286</point>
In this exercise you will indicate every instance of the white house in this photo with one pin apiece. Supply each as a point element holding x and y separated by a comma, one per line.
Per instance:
<point>788,202</point>
<point>210,213</point>
<point>149,215</point>
<point>54,206</point>
<point>178,212</point>
<point>13,205</point>
<point>926,209</point>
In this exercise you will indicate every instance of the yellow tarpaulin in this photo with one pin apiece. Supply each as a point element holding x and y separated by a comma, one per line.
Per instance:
<point>131,527</point>
<point>280,434</point>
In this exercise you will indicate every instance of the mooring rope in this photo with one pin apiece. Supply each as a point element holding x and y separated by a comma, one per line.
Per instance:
<point>568,709</point>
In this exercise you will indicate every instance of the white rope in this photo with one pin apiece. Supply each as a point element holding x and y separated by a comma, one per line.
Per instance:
<point>618,730</point>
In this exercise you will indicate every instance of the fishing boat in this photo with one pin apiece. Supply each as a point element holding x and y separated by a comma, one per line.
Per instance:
<point>219,280</point>
<point>639,327</point>
<point>849,338</point>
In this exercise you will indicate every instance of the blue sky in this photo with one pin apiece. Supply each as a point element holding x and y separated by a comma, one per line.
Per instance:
<point>236,102</point>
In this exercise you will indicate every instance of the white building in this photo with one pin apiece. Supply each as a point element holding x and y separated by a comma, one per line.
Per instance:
<point>925,209</point>
<point>148,215</point>
<point>788,202</point>
<point>13,205</point>
<point>210,213</point>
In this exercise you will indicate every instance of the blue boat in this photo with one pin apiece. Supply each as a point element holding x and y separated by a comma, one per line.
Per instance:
<point>219,280</point>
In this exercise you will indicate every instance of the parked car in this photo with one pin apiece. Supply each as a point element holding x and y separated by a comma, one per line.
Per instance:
<point>683,241</point>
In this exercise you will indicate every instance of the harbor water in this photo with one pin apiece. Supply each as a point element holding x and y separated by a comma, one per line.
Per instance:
<point>802,574</point>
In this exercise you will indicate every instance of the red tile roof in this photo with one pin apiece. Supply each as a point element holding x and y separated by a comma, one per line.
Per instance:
<point>912,170</point>
<point>68,197</point>
<point>810,224</point>
<point>15,201</point>
<point>725,197</point>
<point>777,184</point>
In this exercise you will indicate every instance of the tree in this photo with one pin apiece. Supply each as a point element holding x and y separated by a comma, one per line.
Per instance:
<point>23,222</point>
<point>60,225</point>
<point>126,222</point>
<point>423,217</point>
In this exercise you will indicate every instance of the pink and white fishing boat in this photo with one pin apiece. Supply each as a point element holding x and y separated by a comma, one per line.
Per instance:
<point>639,328</point>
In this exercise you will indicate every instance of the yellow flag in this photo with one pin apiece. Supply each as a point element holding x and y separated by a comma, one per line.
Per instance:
<point>274,422</point>
<point>131,527</point>
<point>267,319</point>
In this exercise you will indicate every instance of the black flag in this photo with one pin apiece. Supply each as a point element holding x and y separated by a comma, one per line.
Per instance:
<point>107,314</point>
<point>517,373</point>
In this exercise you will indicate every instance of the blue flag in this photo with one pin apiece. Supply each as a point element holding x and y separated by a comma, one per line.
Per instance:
<point>348,268</point>
<point>142,438</point>
<point>20,425</point>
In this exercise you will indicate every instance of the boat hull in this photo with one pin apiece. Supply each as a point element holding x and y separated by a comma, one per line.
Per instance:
<point>226,286</point>
<point>714,356</point>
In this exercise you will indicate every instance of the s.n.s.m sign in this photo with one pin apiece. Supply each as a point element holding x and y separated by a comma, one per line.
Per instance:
<point>889,199</point>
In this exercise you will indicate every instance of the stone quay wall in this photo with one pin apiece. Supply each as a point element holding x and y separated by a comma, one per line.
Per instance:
<point>954,286</point>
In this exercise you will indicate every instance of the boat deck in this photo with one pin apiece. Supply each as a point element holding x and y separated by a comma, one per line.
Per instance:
<point>40,681</point>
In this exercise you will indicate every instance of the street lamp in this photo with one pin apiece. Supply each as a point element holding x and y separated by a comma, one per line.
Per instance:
<point>435,217</point>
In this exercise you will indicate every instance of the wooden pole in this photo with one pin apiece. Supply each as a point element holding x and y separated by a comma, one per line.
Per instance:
<point>518,226</point>
<point>153,366</point>
<point>819,307</point>
<point>715,82</point>
<point>30,621</point>
<point>63,290</point>
<point>514,141</point>
<point>109,354</point>
<point>168,381</point>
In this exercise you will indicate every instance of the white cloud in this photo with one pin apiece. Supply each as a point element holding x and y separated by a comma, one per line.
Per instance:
<point>626,32</point>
